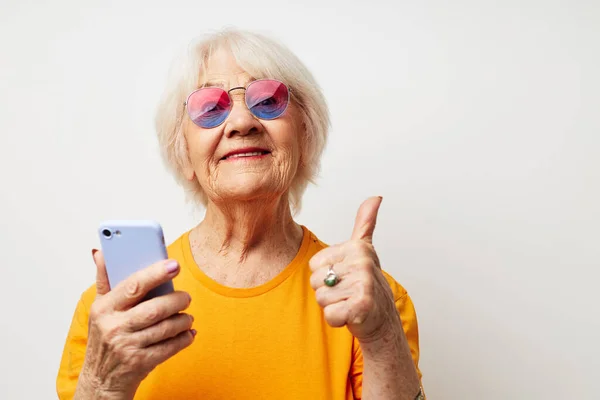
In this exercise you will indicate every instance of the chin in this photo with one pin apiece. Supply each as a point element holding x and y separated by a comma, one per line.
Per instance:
<point>249,190</point>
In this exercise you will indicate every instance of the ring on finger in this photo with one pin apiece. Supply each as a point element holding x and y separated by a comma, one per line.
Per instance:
<point>331,279</point>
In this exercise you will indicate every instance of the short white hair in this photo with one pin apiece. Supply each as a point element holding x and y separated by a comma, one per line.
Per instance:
<point>261,57</point>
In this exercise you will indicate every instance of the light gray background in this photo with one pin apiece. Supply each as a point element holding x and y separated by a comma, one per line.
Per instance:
<point>476,121</point>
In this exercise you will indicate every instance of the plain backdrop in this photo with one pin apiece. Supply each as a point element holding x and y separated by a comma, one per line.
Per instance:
<point>477,122</point>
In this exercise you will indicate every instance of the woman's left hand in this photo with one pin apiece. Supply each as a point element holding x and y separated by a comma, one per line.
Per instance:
<point>362,298</point>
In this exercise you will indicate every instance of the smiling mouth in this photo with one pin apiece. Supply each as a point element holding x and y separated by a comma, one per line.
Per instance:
<point>246,155</point>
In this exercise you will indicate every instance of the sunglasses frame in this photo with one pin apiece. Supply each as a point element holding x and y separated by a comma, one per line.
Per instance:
<point>185,103</point>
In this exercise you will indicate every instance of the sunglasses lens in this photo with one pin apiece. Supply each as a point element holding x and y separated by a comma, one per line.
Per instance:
<point>208,107</point>
<point>267,99</point>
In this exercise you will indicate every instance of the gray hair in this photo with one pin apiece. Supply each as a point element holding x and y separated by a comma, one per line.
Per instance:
<point>261,57</point>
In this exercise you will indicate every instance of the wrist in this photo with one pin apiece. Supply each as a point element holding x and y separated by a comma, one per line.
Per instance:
<point>90,387</point>
<point>389,336</point>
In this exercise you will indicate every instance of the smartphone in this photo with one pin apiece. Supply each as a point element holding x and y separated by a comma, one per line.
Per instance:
<point>131,245</point>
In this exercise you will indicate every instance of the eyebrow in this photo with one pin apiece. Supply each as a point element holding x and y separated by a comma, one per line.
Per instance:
<point>212,84</point>
<point>220,84</point>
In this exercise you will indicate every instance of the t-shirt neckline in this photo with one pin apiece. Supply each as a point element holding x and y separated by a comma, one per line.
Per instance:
<point>227,291</point>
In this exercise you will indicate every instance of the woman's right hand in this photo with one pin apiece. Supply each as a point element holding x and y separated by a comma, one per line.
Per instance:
<point>128,339</point>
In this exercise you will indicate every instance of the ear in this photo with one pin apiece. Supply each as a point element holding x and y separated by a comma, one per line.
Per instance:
<point>187,168</point>
<point>188,171</point>
<point>302,145</point>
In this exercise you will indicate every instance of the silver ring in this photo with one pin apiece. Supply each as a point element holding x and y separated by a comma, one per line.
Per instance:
<point>331,279</point>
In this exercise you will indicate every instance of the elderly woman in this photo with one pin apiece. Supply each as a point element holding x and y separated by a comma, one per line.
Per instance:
<point>271,312</point>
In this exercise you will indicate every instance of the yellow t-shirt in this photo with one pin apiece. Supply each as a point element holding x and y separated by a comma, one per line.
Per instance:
<point>266,342</point>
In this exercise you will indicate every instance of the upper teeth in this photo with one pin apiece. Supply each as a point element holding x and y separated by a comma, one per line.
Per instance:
<point>254,153</point>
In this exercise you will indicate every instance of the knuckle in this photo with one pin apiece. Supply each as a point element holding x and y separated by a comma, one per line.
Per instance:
<point>132,324</point>
<point>364,284</point>
<point>313,282</point>
<point>329,312</point>
<point>120,350</point>
<point>364,301</point>
<point>134,359</point>
<point>321,295</point>
<point>96,310</point>
<point>152,314</point>
<point>366,264</point>
<point>110,334</point>
<point>146,360</point>
<point>133,289</point>
<point>360,246</point>
<point>335,316</point>
<point>164,331</point>
<point>366,249</point>
<point>316,279</point>
<point>366,277</point>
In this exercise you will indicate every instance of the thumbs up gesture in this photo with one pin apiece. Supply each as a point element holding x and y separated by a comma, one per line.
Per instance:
<point>349,284</point>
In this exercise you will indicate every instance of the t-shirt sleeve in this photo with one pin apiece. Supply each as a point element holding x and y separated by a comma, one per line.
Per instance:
<point>74,350</point>
<point>408,316</point>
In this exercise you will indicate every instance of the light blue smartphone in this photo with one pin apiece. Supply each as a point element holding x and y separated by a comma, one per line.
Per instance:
<point>131,245</point>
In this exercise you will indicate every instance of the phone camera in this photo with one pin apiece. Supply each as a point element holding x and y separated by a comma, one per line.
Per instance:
<point>107,233</point>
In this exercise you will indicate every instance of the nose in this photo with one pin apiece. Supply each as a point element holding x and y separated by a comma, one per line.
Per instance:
<point>241,121</point>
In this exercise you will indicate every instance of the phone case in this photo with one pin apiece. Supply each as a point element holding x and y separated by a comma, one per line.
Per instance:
<point>130,246</point>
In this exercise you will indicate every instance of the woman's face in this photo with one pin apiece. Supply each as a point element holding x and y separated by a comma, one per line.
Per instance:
<point>242,177</point>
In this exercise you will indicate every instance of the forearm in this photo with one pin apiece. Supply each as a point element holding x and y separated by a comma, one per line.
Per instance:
<point>389,371</point>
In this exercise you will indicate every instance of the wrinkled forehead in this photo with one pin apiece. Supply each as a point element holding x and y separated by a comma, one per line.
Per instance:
<point>222,69</point>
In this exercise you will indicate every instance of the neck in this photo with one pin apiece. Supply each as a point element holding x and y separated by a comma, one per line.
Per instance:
<point>237,229</point>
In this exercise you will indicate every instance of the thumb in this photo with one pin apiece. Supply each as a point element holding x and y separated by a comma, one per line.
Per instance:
<point>364,225</point>
<point>102,284</point>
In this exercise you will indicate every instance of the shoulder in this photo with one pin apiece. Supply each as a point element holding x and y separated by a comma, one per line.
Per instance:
<point>315,241</point>
<point>88,296</point>
<point>178,247</point>
<point>84,305</point>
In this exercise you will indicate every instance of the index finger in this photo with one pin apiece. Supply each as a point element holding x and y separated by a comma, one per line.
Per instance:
<point>133,289</point>
<point>326,257</point>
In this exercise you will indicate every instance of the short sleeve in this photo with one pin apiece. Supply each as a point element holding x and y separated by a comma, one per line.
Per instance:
<point>408,316</point>
<point>74,350</point>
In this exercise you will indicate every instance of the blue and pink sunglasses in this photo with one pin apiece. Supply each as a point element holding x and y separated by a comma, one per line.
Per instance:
<point>208,107</point>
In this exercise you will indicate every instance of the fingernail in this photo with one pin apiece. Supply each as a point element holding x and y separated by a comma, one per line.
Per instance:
<point>380,197</point>
<point>192,317</point>
<point>94,251</point>
<point>172,266</point>
<point>193,332</point>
